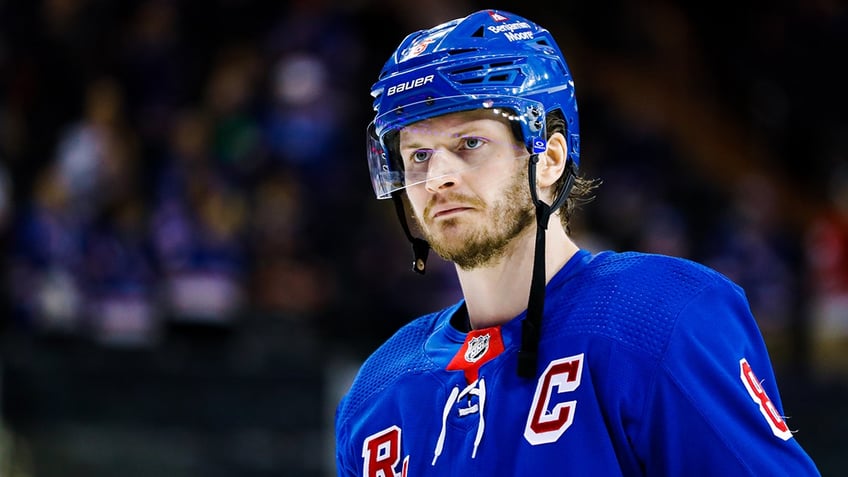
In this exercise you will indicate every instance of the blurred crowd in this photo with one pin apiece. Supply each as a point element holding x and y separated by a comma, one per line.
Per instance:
<point>185,161</point>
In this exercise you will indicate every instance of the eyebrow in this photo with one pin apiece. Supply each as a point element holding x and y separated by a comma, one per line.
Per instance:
<point>470,128</point>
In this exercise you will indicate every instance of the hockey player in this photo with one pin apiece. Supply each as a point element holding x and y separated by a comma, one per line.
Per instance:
<point>557,361</point>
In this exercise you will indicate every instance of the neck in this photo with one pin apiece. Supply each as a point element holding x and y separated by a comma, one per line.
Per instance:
<point>497,293</point>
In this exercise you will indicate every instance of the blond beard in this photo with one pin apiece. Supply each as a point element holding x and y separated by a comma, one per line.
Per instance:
<point>483,247</point>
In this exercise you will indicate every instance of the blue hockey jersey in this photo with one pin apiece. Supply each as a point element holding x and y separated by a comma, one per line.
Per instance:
<point>648,366</point>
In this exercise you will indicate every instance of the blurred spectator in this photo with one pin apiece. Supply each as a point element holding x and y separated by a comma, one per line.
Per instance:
<point>94,150</point>
<point>198,230</point>
<point>120,277</point>
<point>314,55</point>
<point>230,95</point>
<point>290,276</point>
<point>753,245</point>
<point>46,263</point>
<point>827,261</point>
<point>303,117</point>
<point>154,66</point>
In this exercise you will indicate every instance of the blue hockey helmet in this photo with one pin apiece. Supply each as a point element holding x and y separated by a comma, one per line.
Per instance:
<point>489,59</point>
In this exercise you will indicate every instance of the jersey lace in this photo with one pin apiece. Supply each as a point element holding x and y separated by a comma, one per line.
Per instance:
<point>478,389</point>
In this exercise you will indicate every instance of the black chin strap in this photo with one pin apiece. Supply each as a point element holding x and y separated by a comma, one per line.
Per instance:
<point>532,324</point>
<point>420,247</point>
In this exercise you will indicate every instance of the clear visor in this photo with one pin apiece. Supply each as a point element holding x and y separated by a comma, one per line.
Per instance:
<point>489,132</point>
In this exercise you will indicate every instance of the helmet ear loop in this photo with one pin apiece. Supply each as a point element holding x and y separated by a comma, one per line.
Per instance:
<point>420,247</point>
<point>532,324</point>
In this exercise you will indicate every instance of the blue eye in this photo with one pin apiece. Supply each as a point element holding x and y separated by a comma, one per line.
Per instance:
<point>471,142</point>
<point>422,155</point>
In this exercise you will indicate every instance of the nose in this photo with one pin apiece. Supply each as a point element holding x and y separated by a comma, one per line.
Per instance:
<point>443,171</point>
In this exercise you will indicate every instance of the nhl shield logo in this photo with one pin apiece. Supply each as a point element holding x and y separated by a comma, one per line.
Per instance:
<point>477,348</point>
<point>480,347</point>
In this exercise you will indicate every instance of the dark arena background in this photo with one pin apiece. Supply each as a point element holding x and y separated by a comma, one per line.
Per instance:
<point>194,262</point>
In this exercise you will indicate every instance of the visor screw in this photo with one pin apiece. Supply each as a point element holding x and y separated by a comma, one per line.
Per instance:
<point>534,112</point>
<point>419,265</point>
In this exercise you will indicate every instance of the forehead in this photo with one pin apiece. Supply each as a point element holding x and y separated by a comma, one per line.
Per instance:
<point>490,121</point>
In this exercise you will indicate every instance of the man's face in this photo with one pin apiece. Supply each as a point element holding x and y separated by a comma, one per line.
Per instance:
<point>473,198</point>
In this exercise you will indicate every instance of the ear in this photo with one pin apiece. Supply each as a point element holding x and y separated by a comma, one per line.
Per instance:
<point>552,162</point>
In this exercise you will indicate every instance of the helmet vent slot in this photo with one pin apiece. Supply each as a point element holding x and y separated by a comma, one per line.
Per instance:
<point>460,51</point>
<point>499,72</point>
<point>466,70</point>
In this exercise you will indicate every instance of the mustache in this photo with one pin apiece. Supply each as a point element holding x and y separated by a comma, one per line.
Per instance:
<point>453,198</point>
